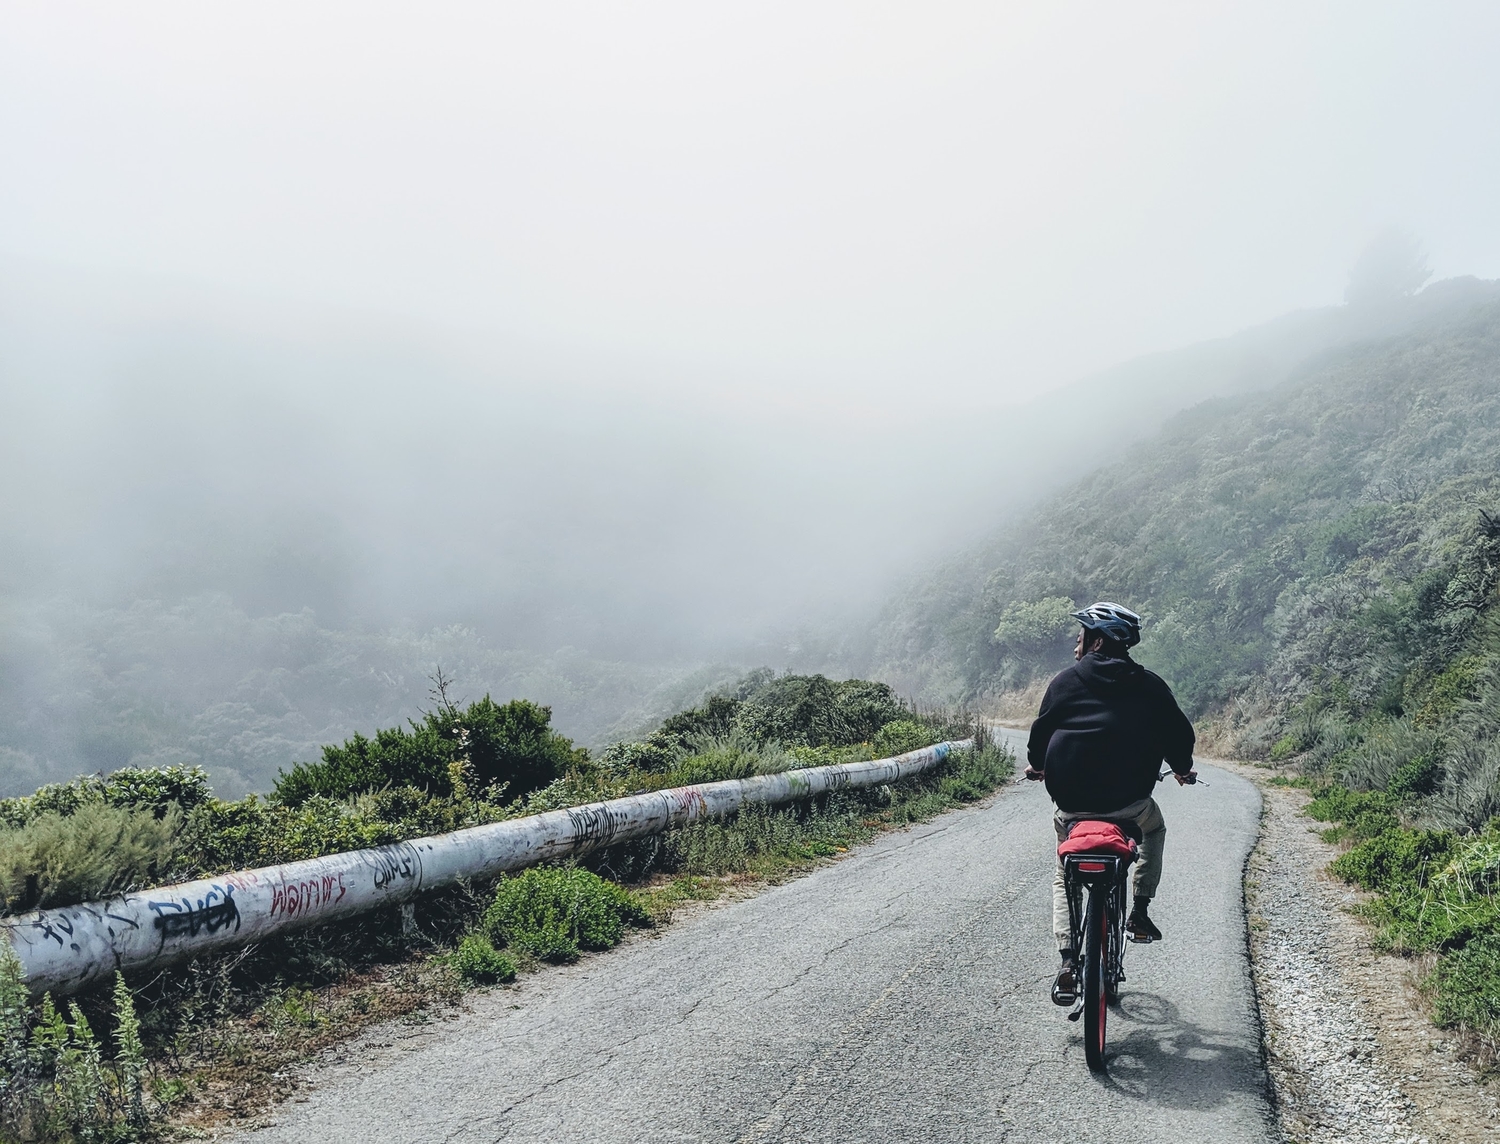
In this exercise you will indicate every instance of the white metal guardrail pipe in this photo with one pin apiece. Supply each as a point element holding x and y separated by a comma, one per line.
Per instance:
<point>67,949</point>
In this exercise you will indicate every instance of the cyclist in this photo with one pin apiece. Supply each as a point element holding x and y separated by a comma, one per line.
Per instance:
<point>1104,727</point>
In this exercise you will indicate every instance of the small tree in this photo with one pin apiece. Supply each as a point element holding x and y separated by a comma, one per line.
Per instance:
<point>1032,636</point>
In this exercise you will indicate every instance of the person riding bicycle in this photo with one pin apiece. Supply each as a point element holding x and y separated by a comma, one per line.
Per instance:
<point>1104,726</point>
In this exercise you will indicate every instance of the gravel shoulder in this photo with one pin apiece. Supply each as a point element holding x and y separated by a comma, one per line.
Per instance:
<point>1351,1053</point>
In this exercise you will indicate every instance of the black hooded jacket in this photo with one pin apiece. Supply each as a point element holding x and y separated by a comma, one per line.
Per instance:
<point>1104,727</point>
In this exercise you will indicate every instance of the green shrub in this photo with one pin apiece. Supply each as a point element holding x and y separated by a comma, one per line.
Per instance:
<point>1436,889</point>
<point>98,850</point>
<point>511,744</point>
<point>627,758</point>
<point>814,711</point>
<point>54,1081</point>
<point>394,757</point>
<point>1465,987</point>
<point>1395,859</point>
<point>732,756</point>
<point>1412,919</point>
<point>552,913</point>
<point>830,756</point>
<point>900,736</point>
<point>508,747</point>
<point>717,717</point>
<point>141,788</point>
<point>1337,803</point>
<point>1418,777</point>
<point>478,961</point>
<point>158,788</point>
<point>1458,684</point>
<point>237,835</point>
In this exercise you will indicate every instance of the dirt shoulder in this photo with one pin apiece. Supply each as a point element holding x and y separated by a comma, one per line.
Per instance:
<point>1351,1051</point>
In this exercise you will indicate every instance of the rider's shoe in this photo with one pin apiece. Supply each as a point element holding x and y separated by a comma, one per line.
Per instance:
<point>1139,926</point>
<point>1065,988</point>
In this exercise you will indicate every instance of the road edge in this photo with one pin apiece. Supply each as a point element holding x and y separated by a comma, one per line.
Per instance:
<point>1355,1058</point>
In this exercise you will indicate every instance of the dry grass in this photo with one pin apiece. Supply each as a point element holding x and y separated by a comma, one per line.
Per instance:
<point>1016,706</point>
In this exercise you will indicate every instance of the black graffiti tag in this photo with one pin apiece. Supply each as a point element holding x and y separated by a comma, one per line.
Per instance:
<point>55,927</point>
<point>392,862</point>
<point>593,826</point>
<point>215,911</point>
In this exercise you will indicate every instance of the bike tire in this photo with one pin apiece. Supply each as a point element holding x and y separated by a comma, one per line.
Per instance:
<point>1095,994</point>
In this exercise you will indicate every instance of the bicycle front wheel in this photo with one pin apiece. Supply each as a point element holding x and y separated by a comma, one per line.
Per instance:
<point>1095,962</point>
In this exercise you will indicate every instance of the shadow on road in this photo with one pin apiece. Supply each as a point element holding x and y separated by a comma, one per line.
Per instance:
<point>1158,1057</point>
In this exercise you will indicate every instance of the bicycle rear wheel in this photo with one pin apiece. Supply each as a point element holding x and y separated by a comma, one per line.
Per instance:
<point>1095,960</point>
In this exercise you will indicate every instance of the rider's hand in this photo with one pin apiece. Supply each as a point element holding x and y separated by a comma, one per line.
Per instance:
<point>1034,775</point>
<point>1186,780</point>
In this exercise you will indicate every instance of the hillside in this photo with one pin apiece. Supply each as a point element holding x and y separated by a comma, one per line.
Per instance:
<point>164,605</point>
<point>1316,563</point>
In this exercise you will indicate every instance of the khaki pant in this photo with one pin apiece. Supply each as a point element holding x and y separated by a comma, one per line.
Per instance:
<point>1147,817</point>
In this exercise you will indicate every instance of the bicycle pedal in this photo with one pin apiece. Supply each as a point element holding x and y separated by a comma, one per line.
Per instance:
<point>1141,939</point>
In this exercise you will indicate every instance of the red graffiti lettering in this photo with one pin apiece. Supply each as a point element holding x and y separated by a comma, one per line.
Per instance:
<point>292,898</point>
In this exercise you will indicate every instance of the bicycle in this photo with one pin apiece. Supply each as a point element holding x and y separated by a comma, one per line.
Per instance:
<point>1096,857</point>
<point>1098,861</point>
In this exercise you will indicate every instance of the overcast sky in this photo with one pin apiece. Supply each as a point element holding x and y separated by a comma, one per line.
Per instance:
<point>853,204</point>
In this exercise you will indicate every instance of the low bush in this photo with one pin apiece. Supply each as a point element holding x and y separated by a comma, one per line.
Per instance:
<point>1465,987</point>
<point>1435,893</point>
<point>553,913</point>
<point>812,710</point>
<point>139,788</point>
<point>508,749</point>
<point>479,962</point>
<point>900,736</point>
<point>93,852</point>
<point>791,710</point>
<point>1395,859</point>
<point>731,756</point>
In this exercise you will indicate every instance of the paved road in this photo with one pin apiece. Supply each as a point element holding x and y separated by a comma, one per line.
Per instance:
<point>897,995</point>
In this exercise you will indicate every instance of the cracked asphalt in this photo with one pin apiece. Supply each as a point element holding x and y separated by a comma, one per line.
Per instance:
<point>899,994</point>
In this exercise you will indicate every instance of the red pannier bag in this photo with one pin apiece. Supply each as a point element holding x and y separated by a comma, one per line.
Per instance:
<point>1091,836</point>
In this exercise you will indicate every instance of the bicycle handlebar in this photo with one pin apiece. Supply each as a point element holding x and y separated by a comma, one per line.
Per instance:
<point>1189,779</point>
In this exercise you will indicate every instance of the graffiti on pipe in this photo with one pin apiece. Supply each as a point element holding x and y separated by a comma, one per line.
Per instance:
<point>293,898</point>
<point>688,801</point>
<point>594,825</point>
<point>399,863</point>
<point>55,927</point>
<point>215,911</point>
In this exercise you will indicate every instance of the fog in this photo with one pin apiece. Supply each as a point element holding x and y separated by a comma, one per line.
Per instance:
<point>596,353</point>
